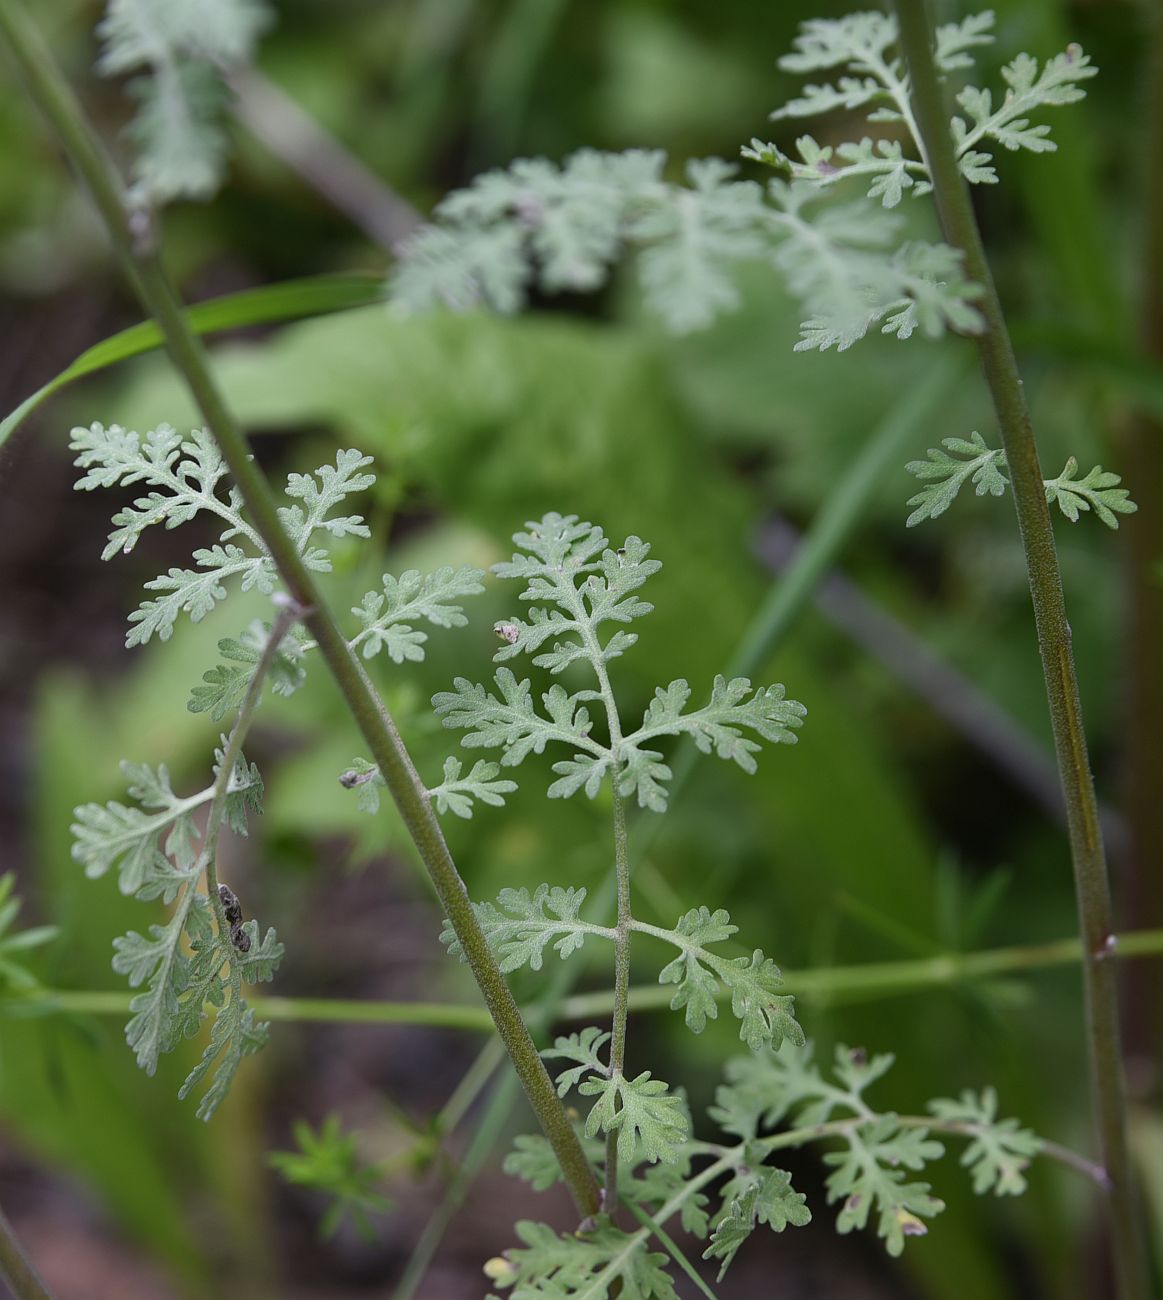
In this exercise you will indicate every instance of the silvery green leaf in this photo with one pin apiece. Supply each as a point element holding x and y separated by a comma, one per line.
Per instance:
<point>387,617</point>
<point>582,1048</point>
<point>758,1196</point>
<point>224,686</point>
<point>1098,491</point>
<point>955,40</point>
<point>549,1266</point>
<point>125,837</point>
<point>509,721</point>
<point>456,794</point>
<point>1000,1150</point>
<point>649,1119</point>
<point>946,474</point>
<point>520,925</point>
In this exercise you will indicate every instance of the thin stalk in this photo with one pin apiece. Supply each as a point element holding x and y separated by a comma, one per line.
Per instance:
<point>133,241</point>
<point>624,926</point>
<point>621,988</point>
<point>16,1268</point>
<point>953,1127</point>
<point>231,753</point>
<point>1092,886</point>
<point>866,980</point>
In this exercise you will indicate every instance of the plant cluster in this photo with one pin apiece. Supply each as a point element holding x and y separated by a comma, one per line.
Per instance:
<point>537,225</point>
<point>582,594</point>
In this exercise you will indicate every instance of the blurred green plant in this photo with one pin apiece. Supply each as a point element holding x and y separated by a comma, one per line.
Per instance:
<point>328,1162</point>
<point>14,975</point>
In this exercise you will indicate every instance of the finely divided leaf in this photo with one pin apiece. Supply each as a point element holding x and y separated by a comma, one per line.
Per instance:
<point>183,49</point>
<point>520,925</point>
<point>694,245</point>
<point>1098,491</point>
<point>696,985</point>
<point>583,771</point>
<point>224,686</point>
<point>593,1265</point>
<point>1000,1151</point>
<point>757,1196</point>
<point>643,774</point>
<point>871,1174</point>
<point>456,794</point>
<point>1027,90</point>
<point>828,42</point>
<point>236,1034</point>
<point>533,1160</point>
<point>955,40</point>
<point>509,721</point>
<point>388,618</point>
<point>189,478</point>
<point>582,1048</point>
<point>196,591</point>
<point>650,1120</point>
<point>766,1017</point>
<point>718,724</point>
<point>335,482</point>
<point>117,835</point>
<point>946,474</point>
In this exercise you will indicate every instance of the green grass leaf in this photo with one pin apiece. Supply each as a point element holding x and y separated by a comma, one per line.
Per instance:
<point>290,300</point>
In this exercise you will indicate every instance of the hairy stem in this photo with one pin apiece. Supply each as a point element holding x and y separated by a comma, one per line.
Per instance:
<point>133,241</point>
<point>16,1268</point>
<point>1092,885</point>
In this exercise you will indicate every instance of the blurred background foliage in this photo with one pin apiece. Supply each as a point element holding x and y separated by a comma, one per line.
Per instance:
<point>886,833</point>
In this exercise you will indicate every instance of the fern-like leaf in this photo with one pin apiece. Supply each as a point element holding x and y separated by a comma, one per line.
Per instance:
<point>1000,1150</point>
<point>188,477</point>
<point>130,839</point>
<point>456,794</point>
<point>766,1017</point>
<point>649,1119</point>
<point>757,1196</point>
<point>180,51</point>
<point>509,720</point>
<point>1097,491</point>
<point>521,924</point>
<point>594,1265</point>
<point>224,686</point>
<point>389,618</point>
<point>946,474</point>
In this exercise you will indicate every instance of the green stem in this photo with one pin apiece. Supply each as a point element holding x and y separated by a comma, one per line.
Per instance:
<point>16,1268</point>
<point>1092,885</point>
<point>625,919</point>
<point>953,1127</point>
<point>134,245</point>
<point>872,979</point>
<point>231,753</point>
<point>621,986</point>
